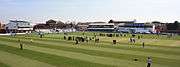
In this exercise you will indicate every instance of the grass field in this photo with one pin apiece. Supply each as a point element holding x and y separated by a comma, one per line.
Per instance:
<point>53,51</point>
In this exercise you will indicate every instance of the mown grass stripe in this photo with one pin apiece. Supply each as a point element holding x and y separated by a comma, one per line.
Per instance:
<point>84,57</point>
<point>154,49</point>
<point>59,61</point>
<point>51,43</point>
<point>128,57</point>
<point>19,61</point>
<point>135,52</point>
<point>131,60</point>
<point>69,45</point>
<point>3,65</point>
<point>107,42</point>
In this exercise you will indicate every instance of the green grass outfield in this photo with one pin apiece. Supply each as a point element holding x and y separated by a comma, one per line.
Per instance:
<point>53,51</point>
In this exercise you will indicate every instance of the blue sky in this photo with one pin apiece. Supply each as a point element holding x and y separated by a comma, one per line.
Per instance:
<point>90,10</point>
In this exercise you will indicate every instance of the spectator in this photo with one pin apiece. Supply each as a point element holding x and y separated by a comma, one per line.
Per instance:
<point>149,62</point>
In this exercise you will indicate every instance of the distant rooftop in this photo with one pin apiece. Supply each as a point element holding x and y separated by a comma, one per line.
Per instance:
<point>123,21</point>
<point>101,24</point>
<point>112,21</point>
<point>19,21</point>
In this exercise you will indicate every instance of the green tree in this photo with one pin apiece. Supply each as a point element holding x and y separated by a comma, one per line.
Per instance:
<point>176,25</point>
<point>111,21</point>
